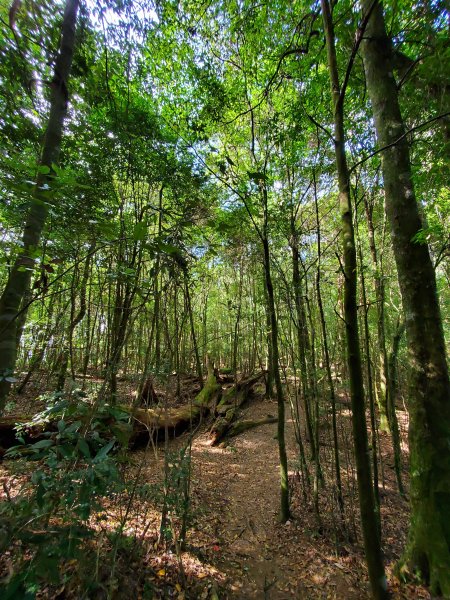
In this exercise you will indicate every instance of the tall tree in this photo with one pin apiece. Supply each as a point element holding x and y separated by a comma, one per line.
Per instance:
<point>429,395</point>
<point>19,278</point>
<point>369,520</point>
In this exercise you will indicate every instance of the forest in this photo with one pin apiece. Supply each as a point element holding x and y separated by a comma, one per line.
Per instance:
<point>224,299</point>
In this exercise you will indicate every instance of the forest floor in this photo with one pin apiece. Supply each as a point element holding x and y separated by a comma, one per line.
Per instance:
<point>236,489</point>
<point>236,547</point>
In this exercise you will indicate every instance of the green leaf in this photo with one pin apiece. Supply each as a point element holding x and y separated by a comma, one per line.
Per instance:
<point>168,248</point>
<point>84,448</point>
<point>256,176</point>
<point>42,444</point>
<point>101,454</point>
<point>73,427</point>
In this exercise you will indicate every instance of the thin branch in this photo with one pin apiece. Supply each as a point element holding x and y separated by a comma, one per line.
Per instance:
<point>317,124</point>
<point>399,139</point>
<point>359,37</point>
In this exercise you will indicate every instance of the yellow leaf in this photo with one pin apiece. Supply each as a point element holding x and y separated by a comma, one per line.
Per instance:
<point>202,575</point>
<point>161,573</point>
<point>178,587</point>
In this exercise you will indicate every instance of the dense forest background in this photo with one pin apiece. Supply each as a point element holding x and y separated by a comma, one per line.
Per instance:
<point>224,222</point>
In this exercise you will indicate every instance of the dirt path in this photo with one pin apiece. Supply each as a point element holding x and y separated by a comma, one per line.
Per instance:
<point>239,488</point>
<point>236,545</point>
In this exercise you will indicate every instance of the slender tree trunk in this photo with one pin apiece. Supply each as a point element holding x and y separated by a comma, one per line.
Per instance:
<point>237,324</point>
<point>156,315</point>
<point>302,340</point>
<point>370,391</point>
<point>379,295</point>
<point>193,335</point>
<point>275,367</point>
<point>429,396</point>
<point>75,319</point>
<point>369,521</point>
<point>326,352</point>
<point>19,278</point>
<point>392,394</point>
<point>270,374</point>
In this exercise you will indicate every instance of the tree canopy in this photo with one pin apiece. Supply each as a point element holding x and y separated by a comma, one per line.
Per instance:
<point>213,205</point>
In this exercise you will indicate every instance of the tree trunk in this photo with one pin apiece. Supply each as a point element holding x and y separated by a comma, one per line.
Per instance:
<point>284,507</point>
<point>193,334</point>
<point>19,278</point>
<point>392,394</point>
<point>75,319</point>
<point>326,353</point>
<point>379,294</point>
<point>302,339</point>
<point>370,390</point>
<point>429,397</point>
<point>369,520</point>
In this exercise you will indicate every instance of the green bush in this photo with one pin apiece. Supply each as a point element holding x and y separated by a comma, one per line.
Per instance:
<point>73,468</point>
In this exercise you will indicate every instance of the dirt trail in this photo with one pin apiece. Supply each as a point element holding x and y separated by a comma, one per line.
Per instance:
<point>262,559</point>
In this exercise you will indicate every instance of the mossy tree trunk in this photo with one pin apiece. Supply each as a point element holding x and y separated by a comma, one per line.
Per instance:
<point>228,408</point>
<point>369,521</point>
<point>429,396</point>
<point>20,275</point>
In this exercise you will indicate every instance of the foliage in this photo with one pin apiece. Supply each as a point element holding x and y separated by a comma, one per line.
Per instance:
<point>73,471</point>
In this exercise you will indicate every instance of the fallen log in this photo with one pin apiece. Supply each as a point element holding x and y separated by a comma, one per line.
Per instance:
<point>241,426</point>
<point>228,407</point>
<point>237,395</point>
<point>154,422</point>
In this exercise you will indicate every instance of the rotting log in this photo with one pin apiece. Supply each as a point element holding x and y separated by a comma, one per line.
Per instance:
<point>241,426</point>
<point>228,407</point>
<point>237,395</point>
<point>154,422</point>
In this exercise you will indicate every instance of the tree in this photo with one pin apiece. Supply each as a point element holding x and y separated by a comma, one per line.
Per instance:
<point>19,278</point>
<point>429,392</point>
<point>369,517</point>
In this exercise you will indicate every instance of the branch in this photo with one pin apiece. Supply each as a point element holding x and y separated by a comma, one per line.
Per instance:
<point>317,124</point>
<point>359,37</point>
<point>398,140</point>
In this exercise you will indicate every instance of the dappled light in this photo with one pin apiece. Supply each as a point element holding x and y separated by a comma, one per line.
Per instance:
<point>224,293</point>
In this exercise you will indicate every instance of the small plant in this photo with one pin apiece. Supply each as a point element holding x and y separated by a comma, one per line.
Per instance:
<point>74,469</point>
<point>176,496</point>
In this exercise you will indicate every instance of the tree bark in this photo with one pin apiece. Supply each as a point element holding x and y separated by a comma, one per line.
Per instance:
<point>392,393</point>
<point>428,547</point>
<point>19,278</point>
<point>369,520</point>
